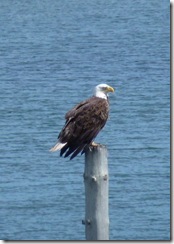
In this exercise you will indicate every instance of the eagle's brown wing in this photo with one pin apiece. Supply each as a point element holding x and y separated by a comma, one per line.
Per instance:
<point>83,123</point>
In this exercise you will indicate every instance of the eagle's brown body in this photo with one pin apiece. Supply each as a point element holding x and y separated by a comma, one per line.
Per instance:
<point>83,123</point>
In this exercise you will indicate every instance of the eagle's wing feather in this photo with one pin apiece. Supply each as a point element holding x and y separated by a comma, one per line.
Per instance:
<point>71,112</point>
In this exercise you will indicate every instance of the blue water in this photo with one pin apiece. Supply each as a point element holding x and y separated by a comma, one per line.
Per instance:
<point>52,55</point>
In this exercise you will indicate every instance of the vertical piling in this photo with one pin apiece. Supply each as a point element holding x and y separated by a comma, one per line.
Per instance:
<point>96,193</point>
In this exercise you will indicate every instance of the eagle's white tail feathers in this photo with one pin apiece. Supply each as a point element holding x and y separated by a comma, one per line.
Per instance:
<point>58,146</point>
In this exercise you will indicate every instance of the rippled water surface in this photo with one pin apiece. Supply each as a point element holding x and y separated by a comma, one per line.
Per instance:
<point>52,55</point>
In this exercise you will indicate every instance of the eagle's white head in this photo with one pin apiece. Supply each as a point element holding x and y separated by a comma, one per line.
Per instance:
<point>102,90</point>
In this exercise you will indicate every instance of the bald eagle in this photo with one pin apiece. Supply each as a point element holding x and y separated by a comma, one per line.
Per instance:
<point>83,123</point>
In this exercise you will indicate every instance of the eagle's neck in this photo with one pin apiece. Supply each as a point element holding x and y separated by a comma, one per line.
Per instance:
<point>101,94</point>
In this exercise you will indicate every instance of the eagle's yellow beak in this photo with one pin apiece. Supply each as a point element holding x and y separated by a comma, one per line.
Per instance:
<point>110,89</point>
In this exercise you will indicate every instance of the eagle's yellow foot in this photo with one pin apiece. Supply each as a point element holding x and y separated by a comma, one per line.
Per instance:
<point>94,144</point>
